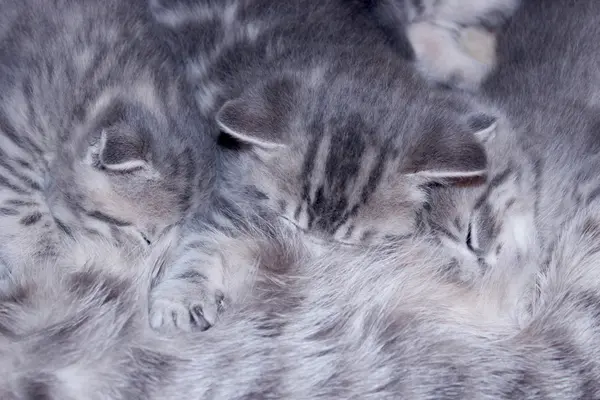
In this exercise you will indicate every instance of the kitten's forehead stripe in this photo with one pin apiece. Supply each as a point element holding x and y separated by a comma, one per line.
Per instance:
<point>494,183</point>
<point>376,173</point>
<point>345,155</point>
<point>308,164</point>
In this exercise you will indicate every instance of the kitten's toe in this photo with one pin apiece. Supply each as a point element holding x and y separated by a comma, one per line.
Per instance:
<point>203,316</point>
<point>167,315</point>
<point>184,305</point>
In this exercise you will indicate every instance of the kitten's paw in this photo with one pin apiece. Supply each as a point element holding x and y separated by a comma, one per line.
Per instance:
<point>479,44</point>
<point>456,57</point>
<point>184,304</point>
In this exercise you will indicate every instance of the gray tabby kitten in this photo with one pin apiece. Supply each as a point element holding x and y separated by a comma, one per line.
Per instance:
<point>352,323</point>
<point>340,141</point>
<point>94,136</point>
<point>544,159</point>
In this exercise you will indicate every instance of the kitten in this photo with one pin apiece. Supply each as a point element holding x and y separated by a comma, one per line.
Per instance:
<point>354,323</point>
<point>338,142</point>
<point>95,139</point>
<point>542,162</point>
<point>453,41</point>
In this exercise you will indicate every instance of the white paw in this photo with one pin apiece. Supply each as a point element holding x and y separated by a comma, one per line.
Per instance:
<point>479,44</point>
<point>185,305</point>
<point>458,58</point>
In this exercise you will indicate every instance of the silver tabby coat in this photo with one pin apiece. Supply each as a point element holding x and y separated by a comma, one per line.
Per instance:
<point>93,139</point>
<point>382,324</point>
<point>329,133</point>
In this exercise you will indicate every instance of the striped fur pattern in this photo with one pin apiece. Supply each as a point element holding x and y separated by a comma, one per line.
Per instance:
<point>453,42</point>
<point>480,221</point>
<point>388,329</point>
<point>92,137</point>
<point>543,159</point>
<point>393,327</point>
<point>331,134</point>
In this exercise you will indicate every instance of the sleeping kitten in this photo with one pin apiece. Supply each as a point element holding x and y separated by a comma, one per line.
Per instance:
<point>370,324</point>
<point>341,143</point>
<point>453,40</point>
<point>543,159</point>
<point>95,139</point>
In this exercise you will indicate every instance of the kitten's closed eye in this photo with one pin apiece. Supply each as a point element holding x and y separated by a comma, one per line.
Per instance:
<point>470,238</point>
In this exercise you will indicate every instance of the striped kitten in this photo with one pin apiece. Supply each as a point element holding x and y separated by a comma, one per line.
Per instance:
<point>93,139</point>
<point>375,324</point>
<point>453,41</point>
<point>544,158</point>
<point>332,135</point>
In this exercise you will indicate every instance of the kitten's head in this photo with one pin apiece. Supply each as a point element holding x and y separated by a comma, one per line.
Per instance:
<point>350,158</point>
<point>491,221</point>
<point>139,163</point>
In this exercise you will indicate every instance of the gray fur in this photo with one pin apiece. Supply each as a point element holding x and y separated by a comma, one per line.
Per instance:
<point>329,133</point>
<point>452,42</point>
<point>389,329</point>
<point>97,134</point>
<point>357,322</point>
<point>543,159</point>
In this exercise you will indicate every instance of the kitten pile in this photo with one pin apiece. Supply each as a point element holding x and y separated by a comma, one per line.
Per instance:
<point>300,199</point>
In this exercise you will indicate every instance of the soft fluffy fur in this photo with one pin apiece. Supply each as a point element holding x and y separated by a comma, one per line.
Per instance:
<point>328,131</point>
<point>453,42</point>
<point>388,329</point>
<point>349,323</point>
<point>95,134</point>
<point>543,159</point>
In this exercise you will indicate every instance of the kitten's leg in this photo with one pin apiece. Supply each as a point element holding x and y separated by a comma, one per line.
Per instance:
<point>208,269</point>
<point>453,56</point>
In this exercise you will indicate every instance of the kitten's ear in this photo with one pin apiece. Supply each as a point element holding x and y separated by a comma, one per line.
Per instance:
<point>260,117</point>
<point>121,150</point>
<point>444,154</point>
